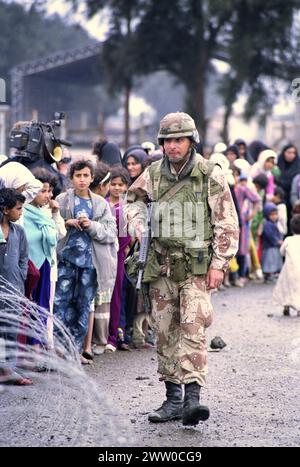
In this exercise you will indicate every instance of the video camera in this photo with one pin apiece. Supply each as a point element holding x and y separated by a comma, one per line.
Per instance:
<point>37,139</point>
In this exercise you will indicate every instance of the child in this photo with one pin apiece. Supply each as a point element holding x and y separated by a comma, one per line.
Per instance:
<point>87,255</point>
<point>265,163</point>
<point>52,210</point>
<point>99,314</point>
<point>101,182</point>
<point>278,199</point>
<point>271,242</point>
<point>248,202</point>
<point>41,233</point>
<point>13,267</point>
<point>260,182</point>
<point>118,186</point>
<point>287,289</point>
<point>14,252</point>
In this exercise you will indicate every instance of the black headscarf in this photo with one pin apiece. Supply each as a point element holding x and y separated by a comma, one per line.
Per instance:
<point>140,156</point>
<point>255,148</point>
<point>107,152</point>
<point>233,148</point>
<point>288,169</point>
<point>247,155</point>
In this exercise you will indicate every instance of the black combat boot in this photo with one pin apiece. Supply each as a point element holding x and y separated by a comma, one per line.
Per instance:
<point>193,412</point>
<point>171,409</point>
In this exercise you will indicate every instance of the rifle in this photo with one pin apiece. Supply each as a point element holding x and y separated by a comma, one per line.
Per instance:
<point>144,247</point>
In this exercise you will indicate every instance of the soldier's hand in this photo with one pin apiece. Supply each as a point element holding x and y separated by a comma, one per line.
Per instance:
<point>214,278</point>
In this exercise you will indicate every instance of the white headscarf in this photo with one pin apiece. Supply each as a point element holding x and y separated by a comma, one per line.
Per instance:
<point>243,165</point>
<point>15,175</point>
<point>2,158</point>
<point>222,160</point>
<point>264,156</point>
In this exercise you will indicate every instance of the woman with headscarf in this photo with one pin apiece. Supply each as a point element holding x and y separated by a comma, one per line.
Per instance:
<point>255,148</point>
<point>289,165</point>
<point>243,151</point>
<point>232,153</point>
<point>135,162</point>
<point>107,152</point>
<point>16,175</point>
<point>264,165</point>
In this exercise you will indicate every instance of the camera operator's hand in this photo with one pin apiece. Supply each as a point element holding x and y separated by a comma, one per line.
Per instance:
<point>73,223</point>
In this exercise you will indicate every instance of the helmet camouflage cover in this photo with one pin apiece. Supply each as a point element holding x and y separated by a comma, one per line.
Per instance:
<point>176,125</point>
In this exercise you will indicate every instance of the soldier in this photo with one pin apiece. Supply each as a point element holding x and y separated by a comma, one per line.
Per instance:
<point>195,236</point>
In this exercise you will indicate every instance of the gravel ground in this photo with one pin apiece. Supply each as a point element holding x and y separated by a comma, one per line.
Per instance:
<point>252,390</point>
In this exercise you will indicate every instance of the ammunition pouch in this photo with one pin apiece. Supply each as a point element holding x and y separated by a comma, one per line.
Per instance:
<point>180,263</point>
<point>172,262</point>
<point>199,261</point>
<point>152,268</point>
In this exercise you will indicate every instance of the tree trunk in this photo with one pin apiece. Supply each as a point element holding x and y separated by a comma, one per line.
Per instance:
<point>196,103</point>
<point>127,117</point>
<point>224,132</point>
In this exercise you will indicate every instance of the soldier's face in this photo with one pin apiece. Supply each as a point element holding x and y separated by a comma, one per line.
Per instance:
<point>177,149</point>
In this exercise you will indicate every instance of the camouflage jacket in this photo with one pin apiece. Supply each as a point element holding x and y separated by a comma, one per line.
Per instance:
<point>223,216</point>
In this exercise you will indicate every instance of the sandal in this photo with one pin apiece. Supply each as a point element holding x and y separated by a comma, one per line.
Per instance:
<point>109,348</point>
<point>99,349</point>
<point>87,355</point>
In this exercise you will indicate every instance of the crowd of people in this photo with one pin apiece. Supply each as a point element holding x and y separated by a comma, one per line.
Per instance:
<point>64,240</point>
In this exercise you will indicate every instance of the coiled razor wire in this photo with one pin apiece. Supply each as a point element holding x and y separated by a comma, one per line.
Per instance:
<point>64,406</point>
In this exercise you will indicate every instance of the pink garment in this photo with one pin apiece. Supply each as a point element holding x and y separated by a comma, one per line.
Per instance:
<point>116,300</point>
<point>270,189</point>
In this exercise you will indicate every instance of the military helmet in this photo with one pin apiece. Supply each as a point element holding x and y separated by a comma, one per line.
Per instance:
<point>176,125</point>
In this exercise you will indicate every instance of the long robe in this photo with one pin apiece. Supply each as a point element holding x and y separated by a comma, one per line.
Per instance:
<point>287,289</point>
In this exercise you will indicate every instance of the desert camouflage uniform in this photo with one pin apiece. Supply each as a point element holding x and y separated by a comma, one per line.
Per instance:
<point>182,310</point>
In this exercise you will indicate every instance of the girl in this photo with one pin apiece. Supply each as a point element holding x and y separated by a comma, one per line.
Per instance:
<point>100,312</point>
<point>41,233</point>
<point>248,202</point>
<point>52,210</point>
<point>264,165</point>
<point>118,187</point>
<point>287,290</point>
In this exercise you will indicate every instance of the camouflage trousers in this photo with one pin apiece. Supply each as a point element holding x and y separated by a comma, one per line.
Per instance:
<point>181,312</point>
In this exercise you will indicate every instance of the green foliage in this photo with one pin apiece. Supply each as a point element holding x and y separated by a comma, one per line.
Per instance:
<point>120,48</point>
<point>259,39</point>
<point>260,48</point>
